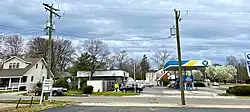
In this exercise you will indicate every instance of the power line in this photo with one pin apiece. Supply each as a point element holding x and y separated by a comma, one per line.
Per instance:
<point>155,9</point>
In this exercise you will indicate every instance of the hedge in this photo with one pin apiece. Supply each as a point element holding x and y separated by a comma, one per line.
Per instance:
<point>199,84</point>
<point>165,82</point>
<point>88,89</point>
<point>239,90</point>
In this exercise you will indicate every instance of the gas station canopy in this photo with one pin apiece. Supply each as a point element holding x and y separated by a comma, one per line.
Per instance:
<point>187,64</point>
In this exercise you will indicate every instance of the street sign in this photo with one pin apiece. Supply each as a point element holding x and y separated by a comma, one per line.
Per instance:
<point>46,88</point>
<point>247,56</point>
<point>47,85</point>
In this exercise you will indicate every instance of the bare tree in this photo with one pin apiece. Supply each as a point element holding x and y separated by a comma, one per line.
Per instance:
<point>13,45</point>
<point>121,59</point>
<point>161,57</point>
<point>98,52</point>
<point>62,52</point>
<point>231,60</point>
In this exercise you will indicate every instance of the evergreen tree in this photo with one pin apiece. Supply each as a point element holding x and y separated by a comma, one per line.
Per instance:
<point>144,67</point>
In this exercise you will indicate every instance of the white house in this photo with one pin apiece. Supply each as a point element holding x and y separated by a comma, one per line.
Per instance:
<point>19,72</point>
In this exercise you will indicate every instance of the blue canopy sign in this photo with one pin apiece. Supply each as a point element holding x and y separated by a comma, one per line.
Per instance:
<point>247,56</point>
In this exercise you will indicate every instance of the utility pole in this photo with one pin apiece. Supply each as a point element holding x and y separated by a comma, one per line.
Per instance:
<point>50,27</point>
<point>177,19</point>
<point>134,78</point>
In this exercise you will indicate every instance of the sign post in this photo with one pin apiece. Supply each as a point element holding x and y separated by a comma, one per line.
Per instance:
<point>46,88</point>
<point>247,56</point>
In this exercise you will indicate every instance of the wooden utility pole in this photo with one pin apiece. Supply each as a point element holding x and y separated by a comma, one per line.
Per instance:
<point>177,19</point>
<point>50,27</point>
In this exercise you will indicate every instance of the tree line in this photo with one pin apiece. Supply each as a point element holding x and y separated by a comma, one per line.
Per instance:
<point>95,55</point>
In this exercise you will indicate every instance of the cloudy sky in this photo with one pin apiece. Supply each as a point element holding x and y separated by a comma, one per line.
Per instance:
<point>210,29</point>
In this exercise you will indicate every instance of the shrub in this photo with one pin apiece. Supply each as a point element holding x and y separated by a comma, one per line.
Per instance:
<point>61,82</point>
<point>39,84</point>
<point>247,81</point>
<point>83,82</point>
<point>199,84</point>
<point>239,90</point>
<point>22,88</point>
<point>165,82</point>
<point>88,89</point>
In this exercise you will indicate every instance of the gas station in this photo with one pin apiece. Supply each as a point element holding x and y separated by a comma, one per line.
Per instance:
<point>187,67</point>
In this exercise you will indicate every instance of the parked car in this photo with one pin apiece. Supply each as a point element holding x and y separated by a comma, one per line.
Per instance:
<point>56,91</point>
<point>131,87</point>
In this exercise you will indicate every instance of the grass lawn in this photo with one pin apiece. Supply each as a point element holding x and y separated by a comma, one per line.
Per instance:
<point>79,93</point>
<point>222,88</point>
<point>113,94</point>
<point>226,94</point>
<point>73,92</point>
<point>8,91</point>
<point>36,107</point>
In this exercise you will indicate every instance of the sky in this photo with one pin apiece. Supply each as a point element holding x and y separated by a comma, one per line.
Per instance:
<point>209,29</point>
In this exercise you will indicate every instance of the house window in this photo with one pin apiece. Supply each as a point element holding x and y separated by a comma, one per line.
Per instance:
<point>42,66</point>
<point>10,65</point>
<point>24,78</point>
<point>14,65</point>
<point>17,65</point>
<point>36,65</point>
<point>43,78</point>
<point>32,78</point>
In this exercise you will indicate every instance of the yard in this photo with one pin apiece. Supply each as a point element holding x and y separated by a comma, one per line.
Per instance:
<point>35,107</point>
<point>80,93</point>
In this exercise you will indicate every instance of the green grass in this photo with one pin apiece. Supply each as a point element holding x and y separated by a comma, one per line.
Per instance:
<point>37,108</point>
<point>21,102</point>
<point>8,91</point>
<point>74,92</point>
<point>226,94</point>
<point>80,93</point>
<point>113,94</point>
<point>222,88</point>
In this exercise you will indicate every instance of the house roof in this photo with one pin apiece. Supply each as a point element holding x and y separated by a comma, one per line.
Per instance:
<point>19,72</point>
<point>64,74</point>
<point>104,73</point>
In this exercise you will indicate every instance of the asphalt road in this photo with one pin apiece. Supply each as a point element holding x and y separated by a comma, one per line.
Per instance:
<point>160,98</point>
<point>154,91</point>
<point>140,109</point>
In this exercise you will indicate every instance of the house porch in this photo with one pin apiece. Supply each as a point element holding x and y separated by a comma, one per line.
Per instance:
<point>12,82</point>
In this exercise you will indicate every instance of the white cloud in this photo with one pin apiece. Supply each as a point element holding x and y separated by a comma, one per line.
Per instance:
<point>211,29</point>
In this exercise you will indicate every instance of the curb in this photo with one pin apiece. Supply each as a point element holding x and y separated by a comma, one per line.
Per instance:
<point>161,105</point>
<point>187,96</point>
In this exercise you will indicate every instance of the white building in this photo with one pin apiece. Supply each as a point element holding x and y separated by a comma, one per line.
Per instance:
<point>22,72</point>
<point>111,76</point>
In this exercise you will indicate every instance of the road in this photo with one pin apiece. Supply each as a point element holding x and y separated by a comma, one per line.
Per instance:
<point>139,109</point>
<point>157,97</point>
